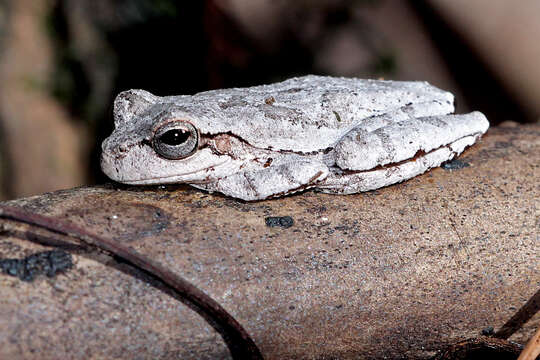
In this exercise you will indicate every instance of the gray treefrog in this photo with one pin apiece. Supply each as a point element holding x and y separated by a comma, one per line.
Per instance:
<point>337,135</point>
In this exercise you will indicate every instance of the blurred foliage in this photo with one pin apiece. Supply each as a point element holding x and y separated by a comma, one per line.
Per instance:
<point>114,14</point>
<point>385,64</point>
<point>69,82</point>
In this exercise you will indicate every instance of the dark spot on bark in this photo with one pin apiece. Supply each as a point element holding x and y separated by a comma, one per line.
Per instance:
<point>319,210</point>
<point>488,331</point>
<point>48,263</point>
<point>502,145</point>
<point>279,221</point>
<point>133,220</point>
<point>455,164</point>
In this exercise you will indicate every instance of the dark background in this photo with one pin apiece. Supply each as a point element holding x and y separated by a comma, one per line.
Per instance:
<point>63,61</point>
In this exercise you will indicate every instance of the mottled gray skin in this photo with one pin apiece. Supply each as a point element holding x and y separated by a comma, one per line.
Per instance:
<point>339,135</point>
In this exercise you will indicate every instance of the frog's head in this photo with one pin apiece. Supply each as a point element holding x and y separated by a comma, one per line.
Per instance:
<point>156,141</point>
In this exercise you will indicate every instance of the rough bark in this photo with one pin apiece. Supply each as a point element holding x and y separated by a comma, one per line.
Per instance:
<point>406,271</point>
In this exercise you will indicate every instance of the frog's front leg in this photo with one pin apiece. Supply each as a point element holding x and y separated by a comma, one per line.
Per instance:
<point>294,174</point>
<point>367,160</point>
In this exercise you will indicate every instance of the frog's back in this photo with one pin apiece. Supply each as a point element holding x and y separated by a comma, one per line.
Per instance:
<point>304,114</point>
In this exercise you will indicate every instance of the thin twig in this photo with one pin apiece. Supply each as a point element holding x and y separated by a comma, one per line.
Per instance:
<point>524,314</point>
<point>532,349</point>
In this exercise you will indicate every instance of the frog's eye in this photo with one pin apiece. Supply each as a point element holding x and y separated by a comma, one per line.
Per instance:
<point>175,140</point>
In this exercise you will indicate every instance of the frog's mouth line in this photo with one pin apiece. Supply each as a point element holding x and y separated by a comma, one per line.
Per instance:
<point>159,180</point>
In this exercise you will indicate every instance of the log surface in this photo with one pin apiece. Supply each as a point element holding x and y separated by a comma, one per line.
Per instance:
<point>404,271</point>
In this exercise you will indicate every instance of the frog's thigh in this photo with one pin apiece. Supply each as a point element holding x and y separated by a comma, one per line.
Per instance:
<point>274,180</point>
<point>350,183</point>
<point>401,151</point>
<point>361,150</point>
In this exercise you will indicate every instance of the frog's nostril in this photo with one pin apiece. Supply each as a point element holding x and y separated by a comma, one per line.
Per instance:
<point>122,148</point>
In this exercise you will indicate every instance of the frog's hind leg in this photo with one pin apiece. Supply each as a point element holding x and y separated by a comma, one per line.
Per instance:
<point>351,182</point>
<point>369,160</point>
<point>296,174</point>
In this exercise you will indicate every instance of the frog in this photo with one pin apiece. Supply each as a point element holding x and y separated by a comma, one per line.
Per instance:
<point>335,135</point>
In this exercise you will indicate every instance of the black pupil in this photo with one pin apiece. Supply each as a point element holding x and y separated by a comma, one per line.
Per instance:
<point>175,137</point>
